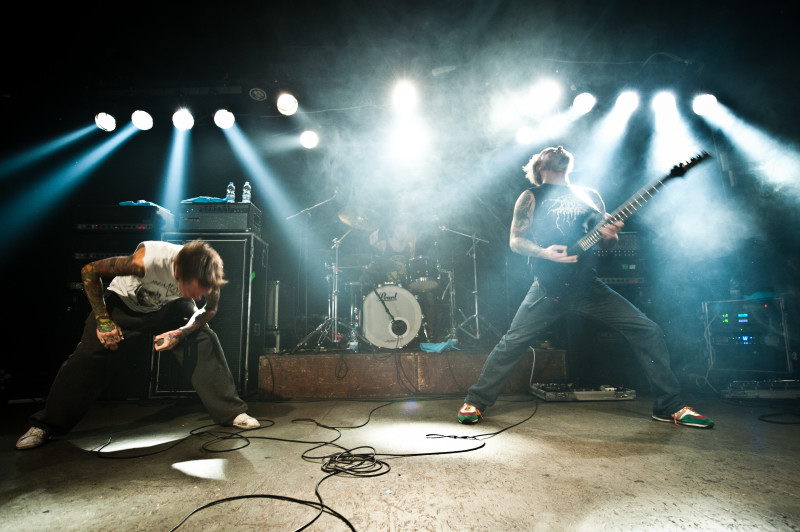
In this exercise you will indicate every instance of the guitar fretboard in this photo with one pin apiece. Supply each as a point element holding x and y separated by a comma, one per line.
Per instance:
<point>620,214</point>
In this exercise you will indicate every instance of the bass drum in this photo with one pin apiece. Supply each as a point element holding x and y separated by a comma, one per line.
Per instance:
<point>377,324</point>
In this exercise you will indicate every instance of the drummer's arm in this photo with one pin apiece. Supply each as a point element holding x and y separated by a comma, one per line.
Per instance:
<point>380,245</point>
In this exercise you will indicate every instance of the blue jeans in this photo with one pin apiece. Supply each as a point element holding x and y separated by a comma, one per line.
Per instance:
<point>597,301</point>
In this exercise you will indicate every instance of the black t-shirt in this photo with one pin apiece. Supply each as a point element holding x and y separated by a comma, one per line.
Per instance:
<point>562,215</point>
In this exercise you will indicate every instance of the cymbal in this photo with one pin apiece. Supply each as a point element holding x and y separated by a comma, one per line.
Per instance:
<point>358,218</point>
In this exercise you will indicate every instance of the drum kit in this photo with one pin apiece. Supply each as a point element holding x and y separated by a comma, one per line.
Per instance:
<point>382,296</point>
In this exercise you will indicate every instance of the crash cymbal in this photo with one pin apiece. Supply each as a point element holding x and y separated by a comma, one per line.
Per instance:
<point>358,218</point>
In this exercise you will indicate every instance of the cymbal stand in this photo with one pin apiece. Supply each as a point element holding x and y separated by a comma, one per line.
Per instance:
<point>329,328</point>
<point>474,333</point>
<point>303,272</point>
<point>450,291</point>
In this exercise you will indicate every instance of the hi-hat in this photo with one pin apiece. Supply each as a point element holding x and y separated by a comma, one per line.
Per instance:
<point>358,218</point>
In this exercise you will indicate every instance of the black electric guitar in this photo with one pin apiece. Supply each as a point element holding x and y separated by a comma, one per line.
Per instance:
<point>634,203</point>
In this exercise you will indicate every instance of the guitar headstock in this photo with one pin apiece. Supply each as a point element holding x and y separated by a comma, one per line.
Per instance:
<point>679,169</point>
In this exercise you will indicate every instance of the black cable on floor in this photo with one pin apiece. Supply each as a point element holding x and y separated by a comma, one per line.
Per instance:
<point>361,461</point>
<point>322,508</point>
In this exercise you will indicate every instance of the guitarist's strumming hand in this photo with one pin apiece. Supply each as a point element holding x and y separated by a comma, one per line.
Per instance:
<point>557,253</point>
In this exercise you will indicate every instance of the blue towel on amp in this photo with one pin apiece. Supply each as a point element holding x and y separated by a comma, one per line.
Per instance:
<point>204,199</point>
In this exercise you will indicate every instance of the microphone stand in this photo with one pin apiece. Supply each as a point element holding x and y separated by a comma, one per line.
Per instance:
<point>308,209</point>
<point>476,334</point>
<point>329,328</point>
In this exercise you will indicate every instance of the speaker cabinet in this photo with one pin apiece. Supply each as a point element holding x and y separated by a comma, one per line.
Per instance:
<point>241,319</point>
<point>98,232</point>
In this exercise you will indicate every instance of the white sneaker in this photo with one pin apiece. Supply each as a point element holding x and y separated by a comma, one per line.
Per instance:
<point>32,439</point>
<point>243,421</point>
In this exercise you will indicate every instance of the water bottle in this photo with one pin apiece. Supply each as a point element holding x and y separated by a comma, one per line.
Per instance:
<point>246,192</point>
<point>230,196</point>
<point>352,341</point>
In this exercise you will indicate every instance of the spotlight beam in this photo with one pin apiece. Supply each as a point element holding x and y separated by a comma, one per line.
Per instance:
<point>176,171</point>
<point>265,182</point>
<point>34,155</point>
<point>25,210</point>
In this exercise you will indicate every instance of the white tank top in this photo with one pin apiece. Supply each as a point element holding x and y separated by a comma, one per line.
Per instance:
<point>158,286</point>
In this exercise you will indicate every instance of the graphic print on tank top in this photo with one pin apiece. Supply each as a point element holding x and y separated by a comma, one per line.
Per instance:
<point>562,215</point>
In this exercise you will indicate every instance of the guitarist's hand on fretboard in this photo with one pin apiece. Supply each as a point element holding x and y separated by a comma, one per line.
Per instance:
<point>610,231</point>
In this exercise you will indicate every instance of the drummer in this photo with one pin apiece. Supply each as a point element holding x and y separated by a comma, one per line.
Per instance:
<point>397,242</point>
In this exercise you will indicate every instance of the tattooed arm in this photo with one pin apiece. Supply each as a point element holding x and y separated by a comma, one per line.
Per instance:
<point>170,339</point>
<point>108,332</point>
<point>521,223</point>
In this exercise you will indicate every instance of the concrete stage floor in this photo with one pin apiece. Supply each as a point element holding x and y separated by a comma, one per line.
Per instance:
<point>407,465</point>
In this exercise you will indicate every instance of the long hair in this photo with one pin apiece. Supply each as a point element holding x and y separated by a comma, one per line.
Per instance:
<point>532,168</point>
<point>198,260</point>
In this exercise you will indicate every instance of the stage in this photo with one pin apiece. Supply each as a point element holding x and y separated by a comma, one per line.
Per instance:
<point>382,374</point>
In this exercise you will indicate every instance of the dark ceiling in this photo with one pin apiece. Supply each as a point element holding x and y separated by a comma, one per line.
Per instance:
<point>336,53</point>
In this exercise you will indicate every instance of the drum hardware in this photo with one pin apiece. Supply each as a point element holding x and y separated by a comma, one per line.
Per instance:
<point>329,328</point>
<point>472,324</point>
<point>302,272</point>
<point>450,292</point>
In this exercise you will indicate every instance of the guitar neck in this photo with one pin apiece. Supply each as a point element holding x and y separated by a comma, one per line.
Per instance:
<point>634,203</point>
<point>620,214</point>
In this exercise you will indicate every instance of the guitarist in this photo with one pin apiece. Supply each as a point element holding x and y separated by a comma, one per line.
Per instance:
<point>548,217</point>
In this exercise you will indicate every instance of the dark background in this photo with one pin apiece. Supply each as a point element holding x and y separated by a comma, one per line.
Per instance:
<point>67,62</point>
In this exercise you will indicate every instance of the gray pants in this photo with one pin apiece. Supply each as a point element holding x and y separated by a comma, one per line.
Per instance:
<point>596,301</point>
<point>87,371</point>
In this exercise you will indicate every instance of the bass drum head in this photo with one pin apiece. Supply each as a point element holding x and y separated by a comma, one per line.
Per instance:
<point>378,327</point>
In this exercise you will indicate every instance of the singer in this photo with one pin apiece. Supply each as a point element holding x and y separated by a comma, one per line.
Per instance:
<point>153,293</point>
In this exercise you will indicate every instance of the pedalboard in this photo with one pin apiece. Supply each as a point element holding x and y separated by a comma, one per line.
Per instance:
<point>564,392</point>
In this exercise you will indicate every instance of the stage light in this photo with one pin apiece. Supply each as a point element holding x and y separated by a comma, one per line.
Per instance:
<point>583,103</point>
<point>142,120</point>
<point>703,104</point>
<point>544,96</point>
<point>525,135</point>
<point>404,96</point>
<point>627,102</point>
<point>105,121</point>
<point>183,120</point>
<point>287,104</point>
<point>663,101</point>
<point>224,119</point>
<point>309,139</point>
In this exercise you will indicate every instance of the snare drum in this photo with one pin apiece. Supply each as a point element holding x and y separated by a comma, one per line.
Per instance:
<point>379,328</point>
<point>423,274</point>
